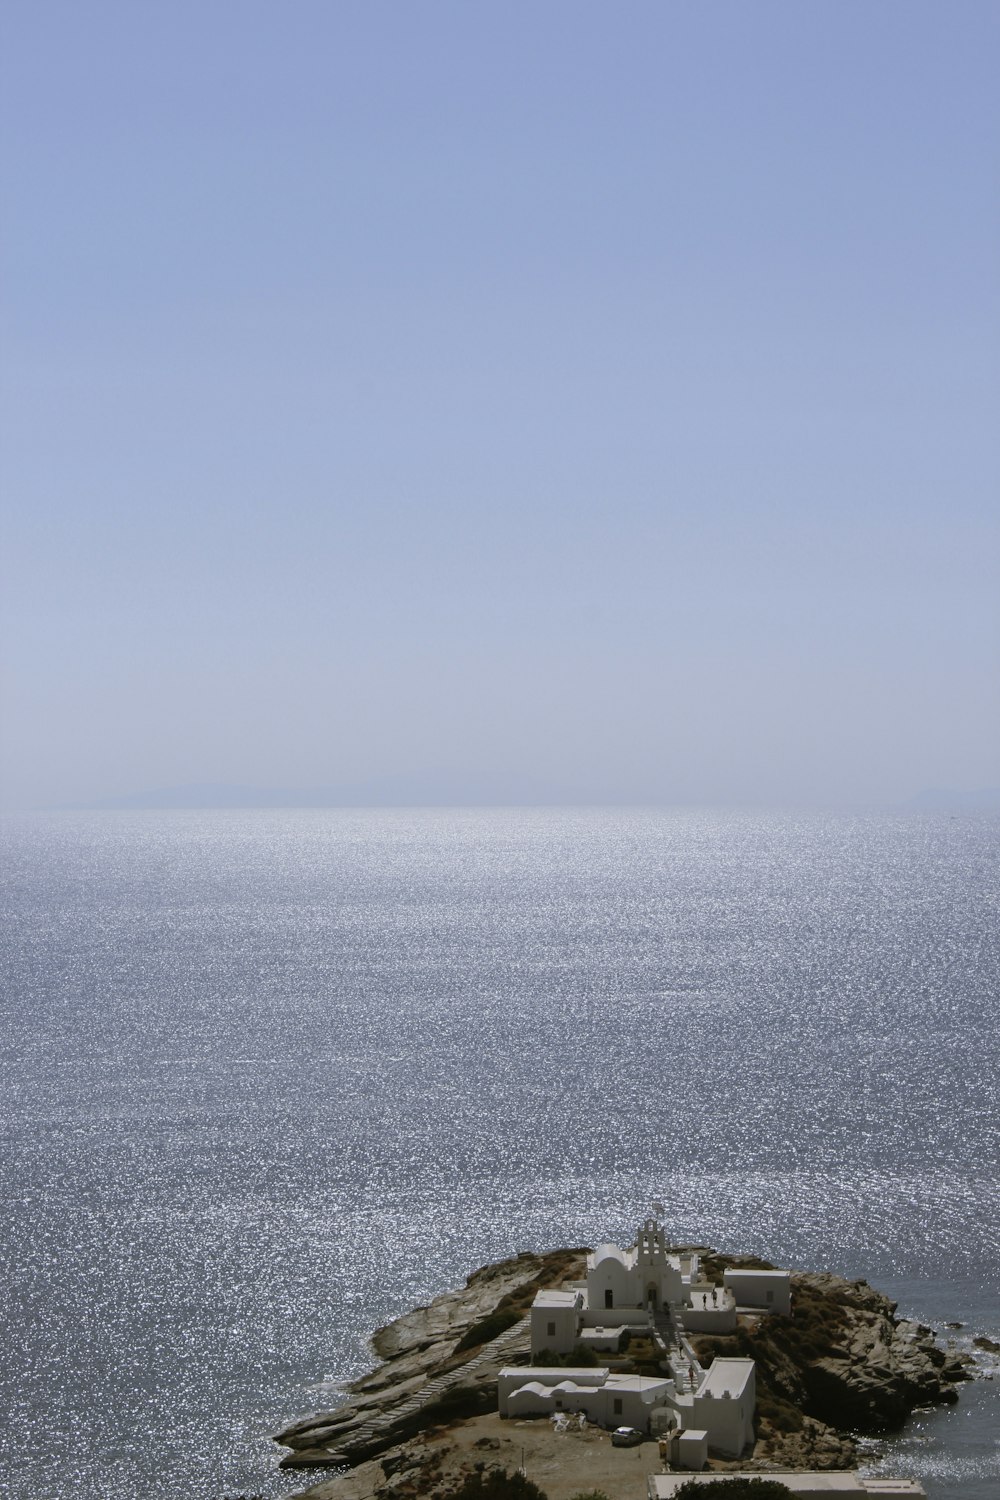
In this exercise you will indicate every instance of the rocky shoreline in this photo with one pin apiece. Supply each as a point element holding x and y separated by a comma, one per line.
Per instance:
<point>843,1365</point>
<point>439,1363</point>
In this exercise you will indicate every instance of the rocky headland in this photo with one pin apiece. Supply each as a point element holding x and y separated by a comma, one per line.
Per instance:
<point>841,1366</point>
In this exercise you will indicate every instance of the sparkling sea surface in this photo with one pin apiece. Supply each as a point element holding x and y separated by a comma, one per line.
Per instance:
<point>272,1078</point>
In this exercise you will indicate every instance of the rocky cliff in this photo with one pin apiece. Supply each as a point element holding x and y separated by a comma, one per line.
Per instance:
<point>842,1364</point>
<point>439,1363</point>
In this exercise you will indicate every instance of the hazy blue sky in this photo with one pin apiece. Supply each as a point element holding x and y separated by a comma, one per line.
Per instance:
<point>501,401</point>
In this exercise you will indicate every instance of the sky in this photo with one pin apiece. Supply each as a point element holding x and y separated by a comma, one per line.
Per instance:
<point>446,402</point>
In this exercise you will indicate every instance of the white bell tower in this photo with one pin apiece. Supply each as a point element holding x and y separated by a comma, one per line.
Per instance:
<point>651,1244</point>
<point>657,1273</point>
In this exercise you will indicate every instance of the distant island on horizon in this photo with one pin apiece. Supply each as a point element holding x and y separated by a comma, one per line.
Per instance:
<point>440,790</point>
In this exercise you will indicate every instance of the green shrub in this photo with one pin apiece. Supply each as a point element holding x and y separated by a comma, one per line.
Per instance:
<point>782,1415</point>
<point>579,1358</point>
<point>583,1358</point>
<point>497,1484</point>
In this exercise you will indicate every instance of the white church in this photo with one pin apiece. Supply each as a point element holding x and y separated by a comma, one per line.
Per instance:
<point>649,1292</point>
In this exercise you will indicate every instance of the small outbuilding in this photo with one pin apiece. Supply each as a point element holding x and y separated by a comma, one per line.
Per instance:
<point>605,1399</point>
<point>763,1291</point>
<point>692,1449</point>
<point>555,1321</point>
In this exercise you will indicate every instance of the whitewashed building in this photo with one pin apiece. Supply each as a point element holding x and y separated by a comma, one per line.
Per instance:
<point>719,1411</point>
<point>631,1290</point>
<point>644,1277</point>
<point>555,1321</point>
<point>606,1399</point>
<point>648,1290</point>
<point>722,1406</point>
<point>761,1291</point>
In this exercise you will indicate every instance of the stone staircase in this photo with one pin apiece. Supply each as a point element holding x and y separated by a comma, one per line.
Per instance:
<point>677,1352</point>
<point>666,1333</point>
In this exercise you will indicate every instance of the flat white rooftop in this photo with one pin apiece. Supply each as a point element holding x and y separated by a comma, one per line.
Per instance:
<point>637,1382</point>
<point>727,1377</point>
<point>745,1271</point>
<point>813,1484</point>
<point>555,1299</point>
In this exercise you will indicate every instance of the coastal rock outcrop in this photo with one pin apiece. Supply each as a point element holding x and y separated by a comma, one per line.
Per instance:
<point>439,1363</point>
<point>841,1363</point>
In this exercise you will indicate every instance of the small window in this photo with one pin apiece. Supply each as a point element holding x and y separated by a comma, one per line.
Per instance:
<point>552,1330</point>
<point>609,1298</point>
<point>617,1406</point>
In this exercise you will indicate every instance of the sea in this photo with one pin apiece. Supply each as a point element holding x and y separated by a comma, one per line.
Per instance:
<point>271,1078</point>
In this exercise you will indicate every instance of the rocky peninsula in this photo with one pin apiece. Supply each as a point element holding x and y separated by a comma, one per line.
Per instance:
<point>840,1366</point>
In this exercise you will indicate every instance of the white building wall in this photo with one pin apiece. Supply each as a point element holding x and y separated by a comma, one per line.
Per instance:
<point>554,1328</point>
<point>513,1377</point>
<point>531,1402</point>
<point>724,1406</point>
<point>618,1317</point>
<point>703,1315</point>
<point>610,1284</point>
<point>624,1402</point>
<point>709,1320</point>
<point>692,1449</point>
<point>665,1280</point>
<point>602,1340</point>
<point>527,1401</point>
<point>728,1421</point>
<point>771,1291</point>
<point>625,1409</point>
